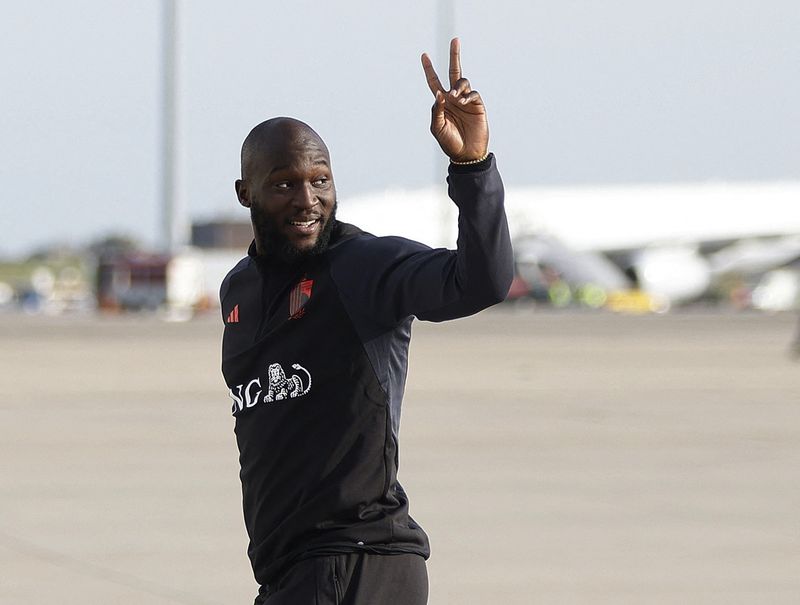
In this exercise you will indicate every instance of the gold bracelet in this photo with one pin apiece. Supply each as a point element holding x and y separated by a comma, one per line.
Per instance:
<point>478,161</point>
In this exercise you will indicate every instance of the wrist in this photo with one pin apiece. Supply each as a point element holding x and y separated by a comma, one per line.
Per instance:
<point>471,168</point>
<point>470,162</point>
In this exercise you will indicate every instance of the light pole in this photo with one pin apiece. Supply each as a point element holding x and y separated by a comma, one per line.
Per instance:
<point>173,223</point>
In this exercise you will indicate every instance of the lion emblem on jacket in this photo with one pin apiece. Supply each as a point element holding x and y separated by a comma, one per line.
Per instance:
<point>280,387</point>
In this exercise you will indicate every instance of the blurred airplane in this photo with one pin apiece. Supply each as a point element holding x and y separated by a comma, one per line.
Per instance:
<point>669,240</point>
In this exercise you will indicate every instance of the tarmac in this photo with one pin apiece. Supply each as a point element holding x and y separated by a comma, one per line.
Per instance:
<point>551,457</point>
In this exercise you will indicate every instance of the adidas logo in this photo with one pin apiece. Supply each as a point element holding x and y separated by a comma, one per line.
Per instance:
<point>233,316</point>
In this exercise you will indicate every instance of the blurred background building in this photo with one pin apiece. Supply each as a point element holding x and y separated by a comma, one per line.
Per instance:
<point>658,142</point>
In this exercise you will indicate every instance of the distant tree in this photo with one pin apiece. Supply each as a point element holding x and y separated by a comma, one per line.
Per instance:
<point>53,252</point>
<point>113,245</point>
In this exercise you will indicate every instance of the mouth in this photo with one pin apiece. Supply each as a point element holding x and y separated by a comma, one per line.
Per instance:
<point>305,227</point>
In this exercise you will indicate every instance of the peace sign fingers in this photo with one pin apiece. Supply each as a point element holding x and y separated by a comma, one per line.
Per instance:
<point>454,72</point>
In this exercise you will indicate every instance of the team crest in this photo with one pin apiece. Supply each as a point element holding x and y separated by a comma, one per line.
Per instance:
<point>298,298</point>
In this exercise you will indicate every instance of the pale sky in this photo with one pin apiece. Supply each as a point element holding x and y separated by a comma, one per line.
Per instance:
<point>577,92</point>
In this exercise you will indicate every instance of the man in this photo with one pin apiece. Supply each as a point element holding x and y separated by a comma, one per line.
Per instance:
<point>317,326</point>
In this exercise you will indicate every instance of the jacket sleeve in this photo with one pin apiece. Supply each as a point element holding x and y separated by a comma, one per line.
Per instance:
<point>396,278</point>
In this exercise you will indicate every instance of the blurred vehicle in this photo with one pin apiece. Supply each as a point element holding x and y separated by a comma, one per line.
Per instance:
<point>565,277</point>
<point>635,301</point>
<point>778,290</point>
<point>194,276</point>
<point>134,281</point>
<point>49,282</point>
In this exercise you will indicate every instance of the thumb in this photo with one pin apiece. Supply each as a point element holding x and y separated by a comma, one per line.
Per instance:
<point>437,114</point>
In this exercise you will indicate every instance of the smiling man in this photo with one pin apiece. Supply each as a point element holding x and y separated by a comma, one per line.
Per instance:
<point>315,350</point>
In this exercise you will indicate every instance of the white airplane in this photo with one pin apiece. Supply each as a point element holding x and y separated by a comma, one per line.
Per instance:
<point>674,238</point>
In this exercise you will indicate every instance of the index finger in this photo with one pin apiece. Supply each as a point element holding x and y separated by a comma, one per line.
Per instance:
<point>455,61</point>
<point>430,75</point>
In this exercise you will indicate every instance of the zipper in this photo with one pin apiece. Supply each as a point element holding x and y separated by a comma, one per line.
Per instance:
<point>337,586</point>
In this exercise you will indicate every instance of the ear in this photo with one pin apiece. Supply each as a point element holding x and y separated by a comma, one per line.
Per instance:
<point>242,193</point>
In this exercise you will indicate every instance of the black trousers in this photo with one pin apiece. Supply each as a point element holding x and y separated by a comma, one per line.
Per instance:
<point>351,579</point>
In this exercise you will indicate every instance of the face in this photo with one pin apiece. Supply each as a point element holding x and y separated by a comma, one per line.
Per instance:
<point>291,196</point>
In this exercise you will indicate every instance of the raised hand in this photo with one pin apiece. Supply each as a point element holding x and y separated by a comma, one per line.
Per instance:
<point>458,116</point>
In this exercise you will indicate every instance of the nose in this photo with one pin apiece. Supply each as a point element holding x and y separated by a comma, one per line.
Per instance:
<point>306,197</point>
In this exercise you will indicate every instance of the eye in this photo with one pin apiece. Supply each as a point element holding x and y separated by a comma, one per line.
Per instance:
<point>320,182</point>
<point>282,185</point>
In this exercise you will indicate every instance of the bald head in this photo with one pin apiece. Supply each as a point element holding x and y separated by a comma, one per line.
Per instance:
<point>276,138</point>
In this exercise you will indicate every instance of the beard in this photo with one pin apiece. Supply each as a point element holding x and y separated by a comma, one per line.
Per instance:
<point>273,244</point>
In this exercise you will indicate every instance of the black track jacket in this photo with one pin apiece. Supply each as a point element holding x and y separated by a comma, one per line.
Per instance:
<point>315,357</point>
